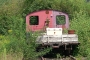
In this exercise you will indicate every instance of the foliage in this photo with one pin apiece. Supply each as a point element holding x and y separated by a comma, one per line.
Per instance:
<point>16,40</point>
<point>80,23</point>
<point>13,41</point>
<point>11,7</point>
<point>69,6</point>
<point>8,9</point>
<point>12,25</point>
<point>30,51</point>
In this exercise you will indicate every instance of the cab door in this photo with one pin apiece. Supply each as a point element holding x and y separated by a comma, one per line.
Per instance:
<point>60,20</point>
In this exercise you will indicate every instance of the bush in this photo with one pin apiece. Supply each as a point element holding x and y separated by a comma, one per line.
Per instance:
<point>81,24</point>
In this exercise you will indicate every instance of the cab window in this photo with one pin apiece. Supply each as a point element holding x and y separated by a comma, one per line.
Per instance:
<point>60,20</point>
<point>34,20</point>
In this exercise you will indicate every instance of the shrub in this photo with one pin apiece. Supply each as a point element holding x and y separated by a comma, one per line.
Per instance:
<point>81,24</point>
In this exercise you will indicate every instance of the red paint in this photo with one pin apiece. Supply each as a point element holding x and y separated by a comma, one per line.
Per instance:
<point>43,15</point>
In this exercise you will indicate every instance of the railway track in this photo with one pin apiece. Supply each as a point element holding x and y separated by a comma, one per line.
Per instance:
<point>66,58</point>
<point>59,54</point>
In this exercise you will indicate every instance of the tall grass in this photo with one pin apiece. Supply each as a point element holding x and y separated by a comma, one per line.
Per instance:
<point>5,51</point>
<point>12,43</point>
<point>81,23</point>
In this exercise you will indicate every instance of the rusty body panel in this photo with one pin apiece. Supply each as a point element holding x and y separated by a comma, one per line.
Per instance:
<point>43,16</point>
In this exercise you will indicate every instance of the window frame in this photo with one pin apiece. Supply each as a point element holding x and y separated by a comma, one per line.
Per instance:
<point>64,20</point>
<point>36,21</point>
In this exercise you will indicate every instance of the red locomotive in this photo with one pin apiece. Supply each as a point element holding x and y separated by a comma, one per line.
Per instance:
<point>53,23</point>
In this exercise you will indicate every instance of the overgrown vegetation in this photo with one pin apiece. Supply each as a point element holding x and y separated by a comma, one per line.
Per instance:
<point>80,23</point>
<point>13,43</point>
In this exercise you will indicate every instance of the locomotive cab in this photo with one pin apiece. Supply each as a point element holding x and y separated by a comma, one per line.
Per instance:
<point>46,18</point>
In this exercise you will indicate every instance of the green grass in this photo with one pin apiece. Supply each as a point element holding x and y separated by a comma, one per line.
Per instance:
<point>11,56</point>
